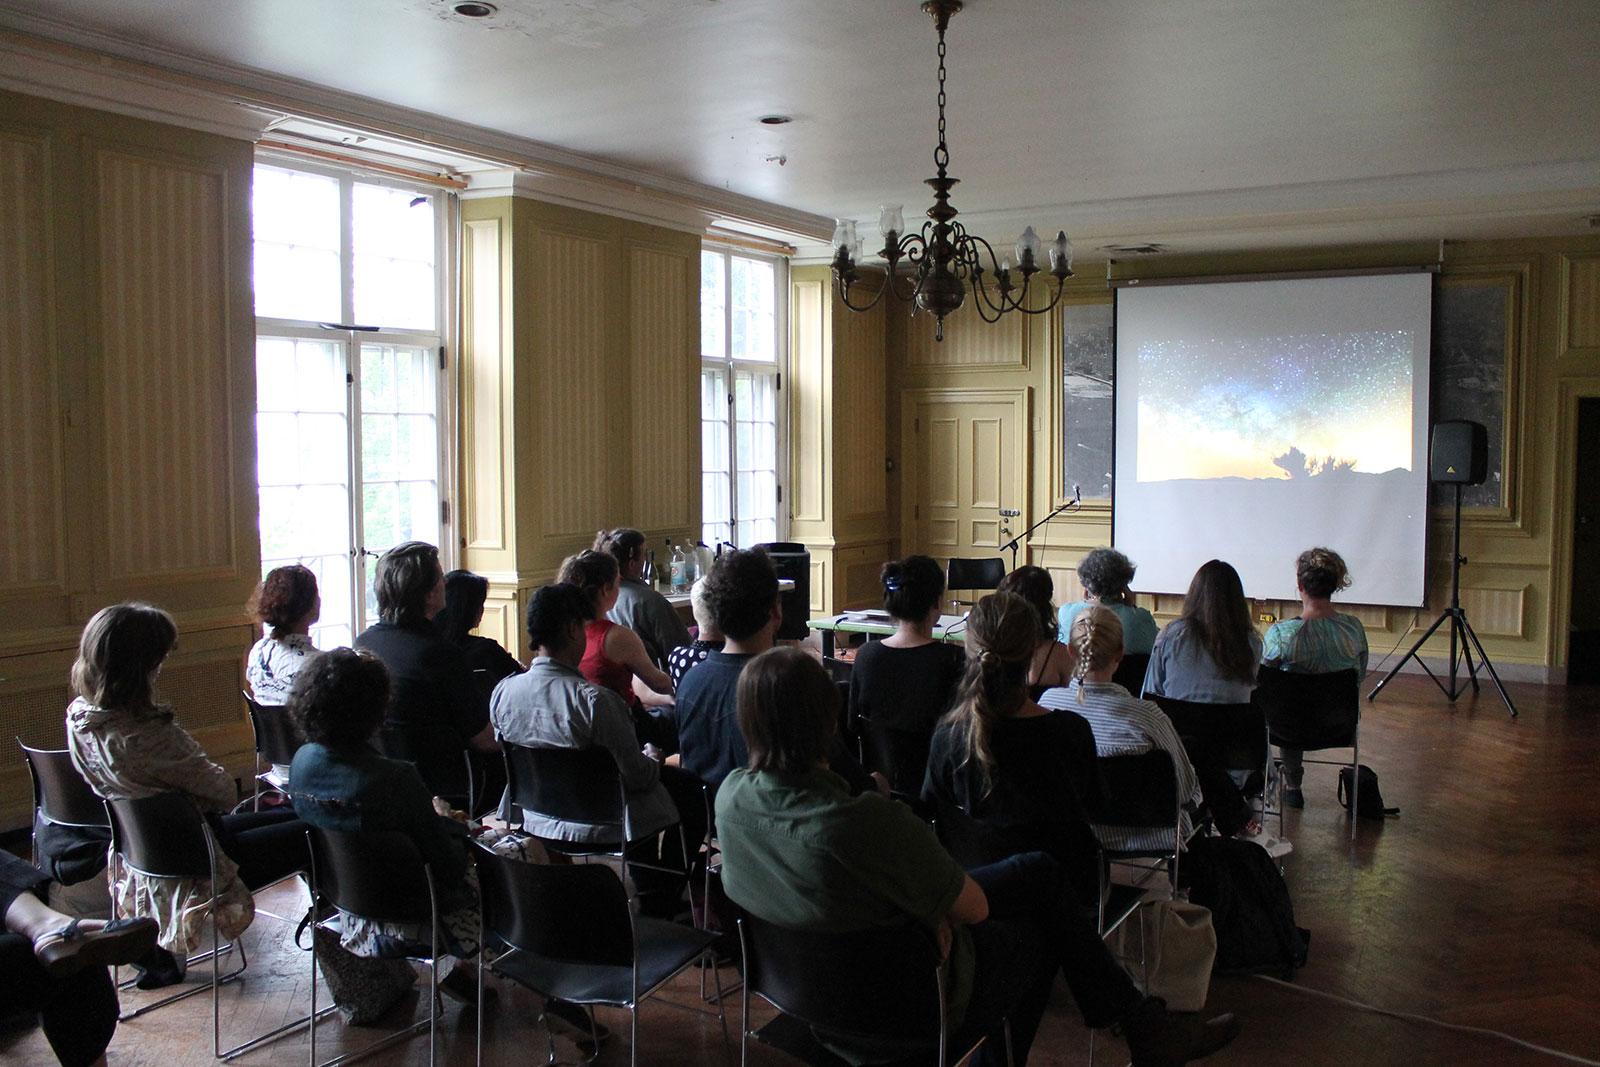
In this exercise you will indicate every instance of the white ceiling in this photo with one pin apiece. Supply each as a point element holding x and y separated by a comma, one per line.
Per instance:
<point>1198,124</point>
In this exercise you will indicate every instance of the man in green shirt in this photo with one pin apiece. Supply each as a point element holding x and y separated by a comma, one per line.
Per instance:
<point>799,851</point>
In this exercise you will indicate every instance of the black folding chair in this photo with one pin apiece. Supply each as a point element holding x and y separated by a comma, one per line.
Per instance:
<point>277,740</point>
<point>973,574</point>
<point>61,796</point>
<point>1312,712</point>
<point>1222,738</point>
<point>1131,671</point>
<point>165,836</point>
<point>882,985</point>
<point>572,935</point>
<point>380,876</point>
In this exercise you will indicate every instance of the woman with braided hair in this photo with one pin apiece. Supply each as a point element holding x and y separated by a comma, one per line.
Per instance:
<point>1024,772</point>
<point>1122,724</point>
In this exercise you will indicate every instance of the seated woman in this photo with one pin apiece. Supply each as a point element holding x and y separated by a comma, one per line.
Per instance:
<point>340,782</point>
<point>128,746</point>
<point>1024,771</point>
<point>465,594</point>
<point>436,713</point>
<point>1209,655</point>
<point>904,683</point>
<point>1052,661</point>
<point>1105,575</point>
<point>615,657</point>
<point>1319,641</point>
<point>54,966</point>
<point>1122,724</point>
<point>641,609</point>
<point>708,640</point>
<point>288,604</point>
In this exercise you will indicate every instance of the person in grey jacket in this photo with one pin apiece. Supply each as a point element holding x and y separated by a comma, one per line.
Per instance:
<point>640,608</point>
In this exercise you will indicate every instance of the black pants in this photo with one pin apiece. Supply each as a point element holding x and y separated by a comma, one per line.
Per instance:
<point>1036,928</point>
<point>78,1013</point>
<point>267,845</point>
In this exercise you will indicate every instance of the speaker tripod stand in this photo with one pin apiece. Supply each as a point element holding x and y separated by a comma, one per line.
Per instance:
<point>1461,635</point>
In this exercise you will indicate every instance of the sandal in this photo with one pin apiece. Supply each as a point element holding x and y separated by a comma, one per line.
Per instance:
<point>72,948</point>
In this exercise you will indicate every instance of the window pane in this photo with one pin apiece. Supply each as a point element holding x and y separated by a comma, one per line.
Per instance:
<point>755,300</point>
<point>713,308</point>
<point>296,221</point>
<point>394,241</point>
<point>1088,366</point>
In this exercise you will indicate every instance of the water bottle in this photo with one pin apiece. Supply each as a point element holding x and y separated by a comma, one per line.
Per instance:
<point>680,570</point>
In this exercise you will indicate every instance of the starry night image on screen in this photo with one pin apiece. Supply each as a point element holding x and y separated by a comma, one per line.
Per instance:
<point>1302,406</point>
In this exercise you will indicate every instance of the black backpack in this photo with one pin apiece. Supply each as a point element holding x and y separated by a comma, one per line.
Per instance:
<point>1369,802</point>
<point>1250,907</point>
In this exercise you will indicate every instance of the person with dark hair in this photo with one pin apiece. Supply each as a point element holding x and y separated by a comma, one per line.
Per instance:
<point>641,609</point>
<point>127,745</point>
<point>552,705</point>
<point>614,657</point>
<point>1052,662</point>
<point>1319,640</point>
<point>465,594</point>
<point>436,713</point>
<point>1027,774</point>
<point>799,851</point>
<point>1105,575</point>
<point>904,682</point>
<point>287,604</point>
<point>1210,655</point>
<point>53,966</point>
<point>340,782</point>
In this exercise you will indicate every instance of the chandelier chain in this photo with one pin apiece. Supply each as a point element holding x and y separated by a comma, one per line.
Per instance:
<point>941,155</point>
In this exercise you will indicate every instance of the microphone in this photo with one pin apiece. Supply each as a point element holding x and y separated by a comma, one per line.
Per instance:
<point>1077,496</point>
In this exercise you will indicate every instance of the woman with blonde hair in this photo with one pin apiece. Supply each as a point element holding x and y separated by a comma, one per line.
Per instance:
<point>1052,661</point>
<point>615,656</point>
<point>1122,724</point>
<point>1025,772</point>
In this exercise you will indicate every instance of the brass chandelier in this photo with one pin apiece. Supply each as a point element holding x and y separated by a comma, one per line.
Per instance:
<point>945,259</point>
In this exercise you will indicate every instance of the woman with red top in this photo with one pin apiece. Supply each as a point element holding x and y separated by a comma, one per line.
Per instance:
<point>615,657</point>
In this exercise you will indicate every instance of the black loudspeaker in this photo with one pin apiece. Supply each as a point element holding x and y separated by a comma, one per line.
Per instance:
<point>1460,452</point>
<point>793,561</point>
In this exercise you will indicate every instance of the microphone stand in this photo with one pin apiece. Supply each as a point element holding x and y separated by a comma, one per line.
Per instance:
<point>1075,502</point>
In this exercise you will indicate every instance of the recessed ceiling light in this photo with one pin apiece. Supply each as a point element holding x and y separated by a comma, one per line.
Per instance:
<point>776,120</point>
<point>474,9</point>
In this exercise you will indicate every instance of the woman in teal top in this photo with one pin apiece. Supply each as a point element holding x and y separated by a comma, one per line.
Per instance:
<point>1319,641</point>
<point>1106,574</point>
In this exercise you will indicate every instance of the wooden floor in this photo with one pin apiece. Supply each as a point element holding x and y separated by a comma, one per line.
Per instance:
<point>1476,907</point>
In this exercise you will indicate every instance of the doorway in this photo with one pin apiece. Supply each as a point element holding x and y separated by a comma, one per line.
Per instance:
<point>1583,649</point>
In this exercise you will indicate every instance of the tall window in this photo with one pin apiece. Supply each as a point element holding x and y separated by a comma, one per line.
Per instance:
<point>348,306</point>
<point>741,425</point>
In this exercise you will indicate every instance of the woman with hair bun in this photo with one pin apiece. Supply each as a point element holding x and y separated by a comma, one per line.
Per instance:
<point>1025,772</point>
<point>1052,661</point>
<point>906,681</point>
<point>1105,575</point>
<point>1123,725</point>
<point>287,604</point>
<point>641,609</point>
<point>615,657</point>
<point>1319,641</point>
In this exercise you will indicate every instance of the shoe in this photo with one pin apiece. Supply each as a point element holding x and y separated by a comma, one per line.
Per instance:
<point>1257,835</point>
<point>563,1016</point>
<point>72,948</point>
<point>461,986</point>
<point>1157,1038</point>
<point>1293,797</point>
<point>159,969</point>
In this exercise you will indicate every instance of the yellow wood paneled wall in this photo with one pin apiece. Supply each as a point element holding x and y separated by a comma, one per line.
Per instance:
<point>580,391</point>
<point>1515,588</point>
<point>127,393</point>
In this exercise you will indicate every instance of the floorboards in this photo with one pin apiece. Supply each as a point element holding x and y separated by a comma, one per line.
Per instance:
<point>1477,906</point>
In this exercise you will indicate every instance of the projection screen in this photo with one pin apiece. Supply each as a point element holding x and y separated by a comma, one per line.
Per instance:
<point>1256,419</point>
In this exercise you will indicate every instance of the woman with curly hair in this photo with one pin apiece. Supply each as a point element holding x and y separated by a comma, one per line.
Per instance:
<point>1318,641</point>
<point>1027,773</point>
<point>1052,661</point>
<point>1105,575</point>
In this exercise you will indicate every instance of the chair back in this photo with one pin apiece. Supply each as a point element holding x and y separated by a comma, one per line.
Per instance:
<point>575,912</point>
<point>570,784</point>
<point>59,792</point>
<point>882,982</point>
<point>1310,711</point>
<point>277,740</point>
<point>1140,790</point>
<point>901,756</point>
<point>1231,736</point>
<point>971,843</point>
<point>974,573</point>
<point>376,874</point>
<point>163,836</point>
<point>1131,671</point>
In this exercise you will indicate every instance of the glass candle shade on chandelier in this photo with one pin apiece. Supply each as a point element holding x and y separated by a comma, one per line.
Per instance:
<point>944,259</point>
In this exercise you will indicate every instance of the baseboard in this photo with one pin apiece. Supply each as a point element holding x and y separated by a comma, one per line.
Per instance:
<point>1538,673</point>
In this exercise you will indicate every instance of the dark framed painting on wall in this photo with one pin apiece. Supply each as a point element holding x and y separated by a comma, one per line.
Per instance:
<point>1476,354</point>
<point>1088,370</point>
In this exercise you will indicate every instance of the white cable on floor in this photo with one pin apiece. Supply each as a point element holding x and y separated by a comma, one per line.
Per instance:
<point>1428,1020</point>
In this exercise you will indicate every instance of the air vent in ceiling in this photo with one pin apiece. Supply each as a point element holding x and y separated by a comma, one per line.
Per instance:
<point>1133,250</point>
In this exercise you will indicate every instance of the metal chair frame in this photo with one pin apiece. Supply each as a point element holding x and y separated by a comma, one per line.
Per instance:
<point>404,856</point>
<point>61,795</point>
<point>183,833</point>
<point>1268,698</point>
<point>276,741</point>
